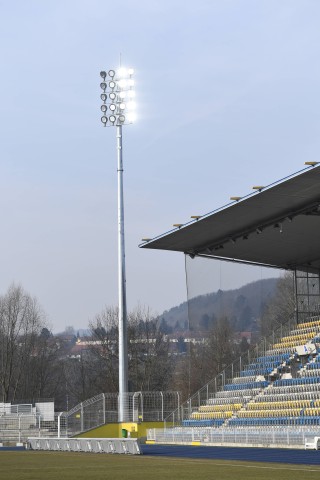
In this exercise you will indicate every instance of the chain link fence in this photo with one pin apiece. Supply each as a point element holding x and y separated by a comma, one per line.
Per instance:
<point>103,408</point>
<point>18,422</point>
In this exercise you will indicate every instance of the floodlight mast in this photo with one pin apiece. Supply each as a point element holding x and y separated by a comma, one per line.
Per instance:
<point>120,85</point>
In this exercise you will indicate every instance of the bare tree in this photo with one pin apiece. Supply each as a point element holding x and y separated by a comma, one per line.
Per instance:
<point>281,307</point>
<point>150,365</point>
<point>104,355</point>
<point>21,321</point>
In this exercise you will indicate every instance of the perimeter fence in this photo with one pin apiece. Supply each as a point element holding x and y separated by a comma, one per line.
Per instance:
<point>103,408</point>
<point>17,428</point>
<point>290,437</point>
<point>19,422</point>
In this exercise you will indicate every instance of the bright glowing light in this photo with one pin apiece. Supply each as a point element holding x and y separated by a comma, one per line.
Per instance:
<point>118,97</point>
<point>122,72</point>
<point>131,117</point>
<point>122,83</point>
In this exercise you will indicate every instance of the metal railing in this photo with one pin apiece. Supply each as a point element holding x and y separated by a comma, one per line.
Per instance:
<point>266,437</point>
<point>17,428</point>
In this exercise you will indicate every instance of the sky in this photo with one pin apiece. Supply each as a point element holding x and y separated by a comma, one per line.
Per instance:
<point>228,97</point>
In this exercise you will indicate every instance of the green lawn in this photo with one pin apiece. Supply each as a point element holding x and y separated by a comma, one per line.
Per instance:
<point>88,466</point>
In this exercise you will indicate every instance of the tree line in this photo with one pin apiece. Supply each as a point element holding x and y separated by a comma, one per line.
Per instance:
<point>35,364</point>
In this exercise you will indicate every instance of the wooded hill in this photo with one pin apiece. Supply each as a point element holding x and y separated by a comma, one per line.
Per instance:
<point>243,307</point>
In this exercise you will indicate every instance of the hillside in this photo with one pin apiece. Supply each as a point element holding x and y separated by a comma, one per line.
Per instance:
<point>241,306</point>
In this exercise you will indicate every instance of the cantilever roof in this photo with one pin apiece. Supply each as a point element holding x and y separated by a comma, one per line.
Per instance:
<point>278,226</point>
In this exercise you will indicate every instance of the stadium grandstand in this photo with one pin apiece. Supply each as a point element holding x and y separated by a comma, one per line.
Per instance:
<point>272,397</point>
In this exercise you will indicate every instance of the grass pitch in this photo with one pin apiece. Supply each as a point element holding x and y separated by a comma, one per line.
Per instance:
<point>83,466</point>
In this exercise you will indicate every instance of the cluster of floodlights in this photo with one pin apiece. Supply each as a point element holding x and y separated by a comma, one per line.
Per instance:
<point>118,97</point>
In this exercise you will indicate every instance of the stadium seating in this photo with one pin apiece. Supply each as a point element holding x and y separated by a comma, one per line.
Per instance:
<point>279,388</point>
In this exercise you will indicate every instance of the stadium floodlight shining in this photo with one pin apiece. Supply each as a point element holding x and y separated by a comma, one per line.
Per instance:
<point>116,88</point>
<point>131,117</point>
<point>131,105</point>
<point>122,83</point>
<point>122,72</point>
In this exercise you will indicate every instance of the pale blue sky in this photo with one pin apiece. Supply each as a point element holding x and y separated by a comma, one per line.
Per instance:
<point>228,95</point>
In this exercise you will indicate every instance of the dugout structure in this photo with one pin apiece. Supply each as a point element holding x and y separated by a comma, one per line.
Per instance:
<point>276,226</point>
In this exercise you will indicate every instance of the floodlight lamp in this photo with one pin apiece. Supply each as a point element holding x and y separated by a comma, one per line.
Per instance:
<point>103,85</point>
<point>130,71</point>
<point>103,75</point>
<point>131,105</point>
<point>122,106</point>
<point>111,73</point>
<point>131,93</point>
<point>112,84</point>
<point>131,82</point>
<point>122,118</point>
<point>103,97</point>
<point>122,94</point>
<point>113,107</point>
<point>104,108</point>
<point>112,96</point>
<point>104,119</point>
<point>112,118</point>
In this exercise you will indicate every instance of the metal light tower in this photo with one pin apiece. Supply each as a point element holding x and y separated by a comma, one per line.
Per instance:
<point>118,109</point>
